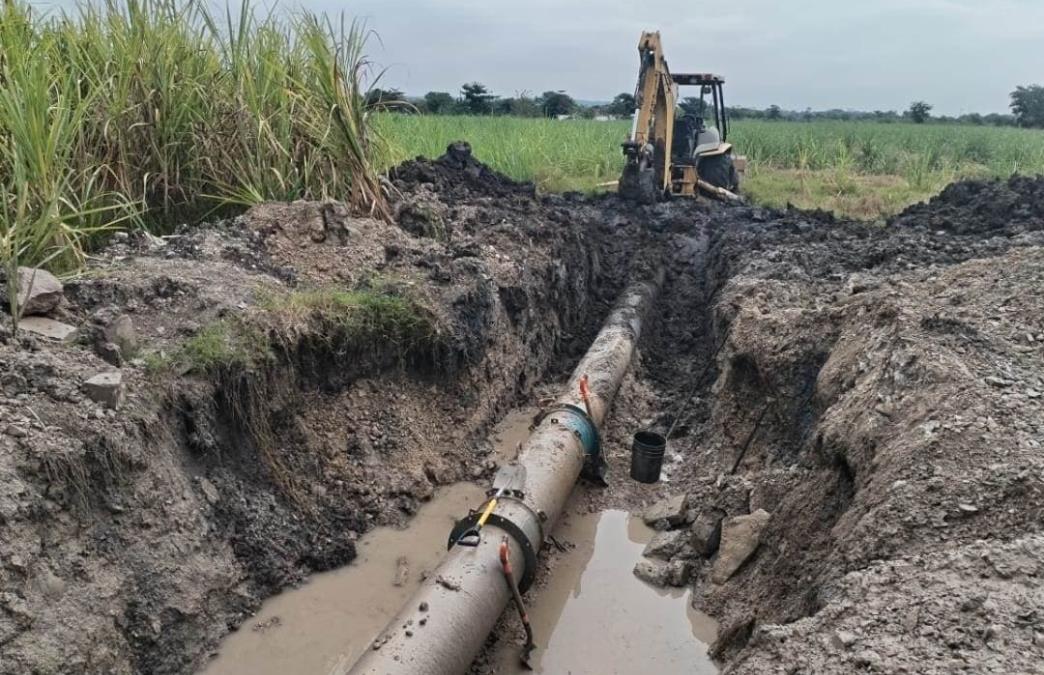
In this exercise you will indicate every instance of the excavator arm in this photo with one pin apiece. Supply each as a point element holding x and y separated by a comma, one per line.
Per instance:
<point>647,172</point>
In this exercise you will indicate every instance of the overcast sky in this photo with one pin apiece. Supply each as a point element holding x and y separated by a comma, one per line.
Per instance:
<point>960,55</point>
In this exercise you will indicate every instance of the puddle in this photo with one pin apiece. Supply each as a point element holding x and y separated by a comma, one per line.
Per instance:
<point>323,626</point>
<point>594,616</point>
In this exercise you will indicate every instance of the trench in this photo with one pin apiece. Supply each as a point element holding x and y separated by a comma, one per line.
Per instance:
<point>581,611</point>
<point>590,612</point>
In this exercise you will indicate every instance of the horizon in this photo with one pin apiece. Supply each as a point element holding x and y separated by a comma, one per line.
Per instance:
<point>967,58</point>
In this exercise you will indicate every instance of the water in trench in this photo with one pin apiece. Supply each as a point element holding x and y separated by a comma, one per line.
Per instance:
<point>322,626</point>
<point>590,616</point>
<point>593,615</point>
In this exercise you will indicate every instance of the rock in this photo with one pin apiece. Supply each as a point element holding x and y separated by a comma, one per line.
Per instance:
<point>110,353</point>
<point>992,632</point>
<point>210,491</point>
<point>655,572</point>
<point>967,509</point>
<point>740,537</point>
<point>706,532</point>
<point>998,382</point>
<point>665,545</point>
<point>868,658</point>
<point>15,431</point>
<point>402,571</point>
<point>105,388</point>
<point>678,572</point>
<point>843,639</point>
<point>48,328</point>
<point>671,510</point>
<point>120,332</point>
<point>39,291</point>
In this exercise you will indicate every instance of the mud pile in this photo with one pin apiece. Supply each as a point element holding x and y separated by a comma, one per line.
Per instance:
<point>982,207</point>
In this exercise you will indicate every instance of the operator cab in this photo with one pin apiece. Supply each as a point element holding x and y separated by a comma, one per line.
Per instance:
<point>699,149</point>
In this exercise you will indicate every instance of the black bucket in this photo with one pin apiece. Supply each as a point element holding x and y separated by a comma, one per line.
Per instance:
<point>647,456</point>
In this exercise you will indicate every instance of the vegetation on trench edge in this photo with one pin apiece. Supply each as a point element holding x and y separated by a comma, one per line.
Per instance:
<point>357,321</point>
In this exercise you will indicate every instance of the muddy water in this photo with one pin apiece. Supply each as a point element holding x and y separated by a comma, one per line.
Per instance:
<point>594,616</point>
<point>591,616</point>
<point>322,626</point>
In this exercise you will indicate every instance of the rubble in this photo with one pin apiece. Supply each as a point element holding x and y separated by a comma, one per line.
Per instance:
<point>39,292</point>
<point>740,537</point>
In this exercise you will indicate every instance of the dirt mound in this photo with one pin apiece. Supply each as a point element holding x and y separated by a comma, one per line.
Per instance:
<point>457,175</point>
<point>981,207</point>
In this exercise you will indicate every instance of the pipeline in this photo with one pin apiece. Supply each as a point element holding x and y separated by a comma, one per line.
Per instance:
<point>441,629</point>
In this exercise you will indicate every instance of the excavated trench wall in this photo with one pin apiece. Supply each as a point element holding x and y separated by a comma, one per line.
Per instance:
<point>875,394</point>
<point>135,538</point>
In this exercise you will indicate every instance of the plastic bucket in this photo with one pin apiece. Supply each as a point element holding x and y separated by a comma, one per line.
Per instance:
<point>647,456</point>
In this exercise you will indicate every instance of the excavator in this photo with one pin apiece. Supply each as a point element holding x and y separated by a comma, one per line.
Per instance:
<point>668,153</point>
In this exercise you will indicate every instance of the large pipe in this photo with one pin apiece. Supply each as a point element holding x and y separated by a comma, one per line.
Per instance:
<point>441,629</point>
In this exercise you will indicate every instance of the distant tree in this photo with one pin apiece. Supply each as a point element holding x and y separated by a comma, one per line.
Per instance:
<point>773,112</point>
<point>1027,104</point>
<point>999,120</point>
<point>386,99</point>
<point>476,99</point>
<point>971,118</point>
<point>555,103</point>
<point>439,103</point>
<point>693,105</point>
<point>919,112</point>
<point>519,105</point>
<point>622,105</point>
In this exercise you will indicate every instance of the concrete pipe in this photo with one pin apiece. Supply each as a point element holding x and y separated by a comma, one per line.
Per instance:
<point>444,625</point>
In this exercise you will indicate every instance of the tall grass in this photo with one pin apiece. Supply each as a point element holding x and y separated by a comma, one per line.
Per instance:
<point>575,154</point>
<point>150,112</point>
<point>859,169</point>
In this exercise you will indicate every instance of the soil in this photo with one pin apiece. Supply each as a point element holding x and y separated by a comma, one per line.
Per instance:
<point>877,390</point>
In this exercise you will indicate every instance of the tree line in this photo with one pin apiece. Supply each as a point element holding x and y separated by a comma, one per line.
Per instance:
<point>474,98</point>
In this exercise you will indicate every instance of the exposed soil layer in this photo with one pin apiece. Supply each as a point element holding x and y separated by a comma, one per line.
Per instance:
<point>876,390</point>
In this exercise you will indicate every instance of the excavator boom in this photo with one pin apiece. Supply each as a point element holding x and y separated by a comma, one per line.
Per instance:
<point>664,158</point>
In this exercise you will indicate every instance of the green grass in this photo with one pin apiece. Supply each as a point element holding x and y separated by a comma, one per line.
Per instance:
<point>861,169</point>
<point>555,154</point>
<point>372,318</point>
<point>228,344</point>
<point>155,112</point>
<point>362,321</point>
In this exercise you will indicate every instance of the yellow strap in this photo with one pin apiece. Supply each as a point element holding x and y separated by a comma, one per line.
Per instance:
<point>485,514</point>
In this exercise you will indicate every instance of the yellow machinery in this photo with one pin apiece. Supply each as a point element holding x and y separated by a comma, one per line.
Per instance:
<point>671,154</point>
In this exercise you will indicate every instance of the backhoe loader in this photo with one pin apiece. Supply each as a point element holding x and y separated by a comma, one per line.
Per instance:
<point>670,154</point>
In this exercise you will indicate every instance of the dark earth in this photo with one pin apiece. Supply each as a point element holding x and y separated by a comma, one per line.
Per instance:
<point>298,375</point>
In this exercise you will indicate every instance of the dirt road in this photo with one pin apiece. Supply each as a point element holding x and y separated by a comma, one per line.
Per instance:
<point>876,391</point>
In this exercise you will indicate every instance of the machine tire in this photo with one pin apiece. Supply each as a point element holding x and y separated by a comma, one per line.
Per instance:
<point>719,171</point>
